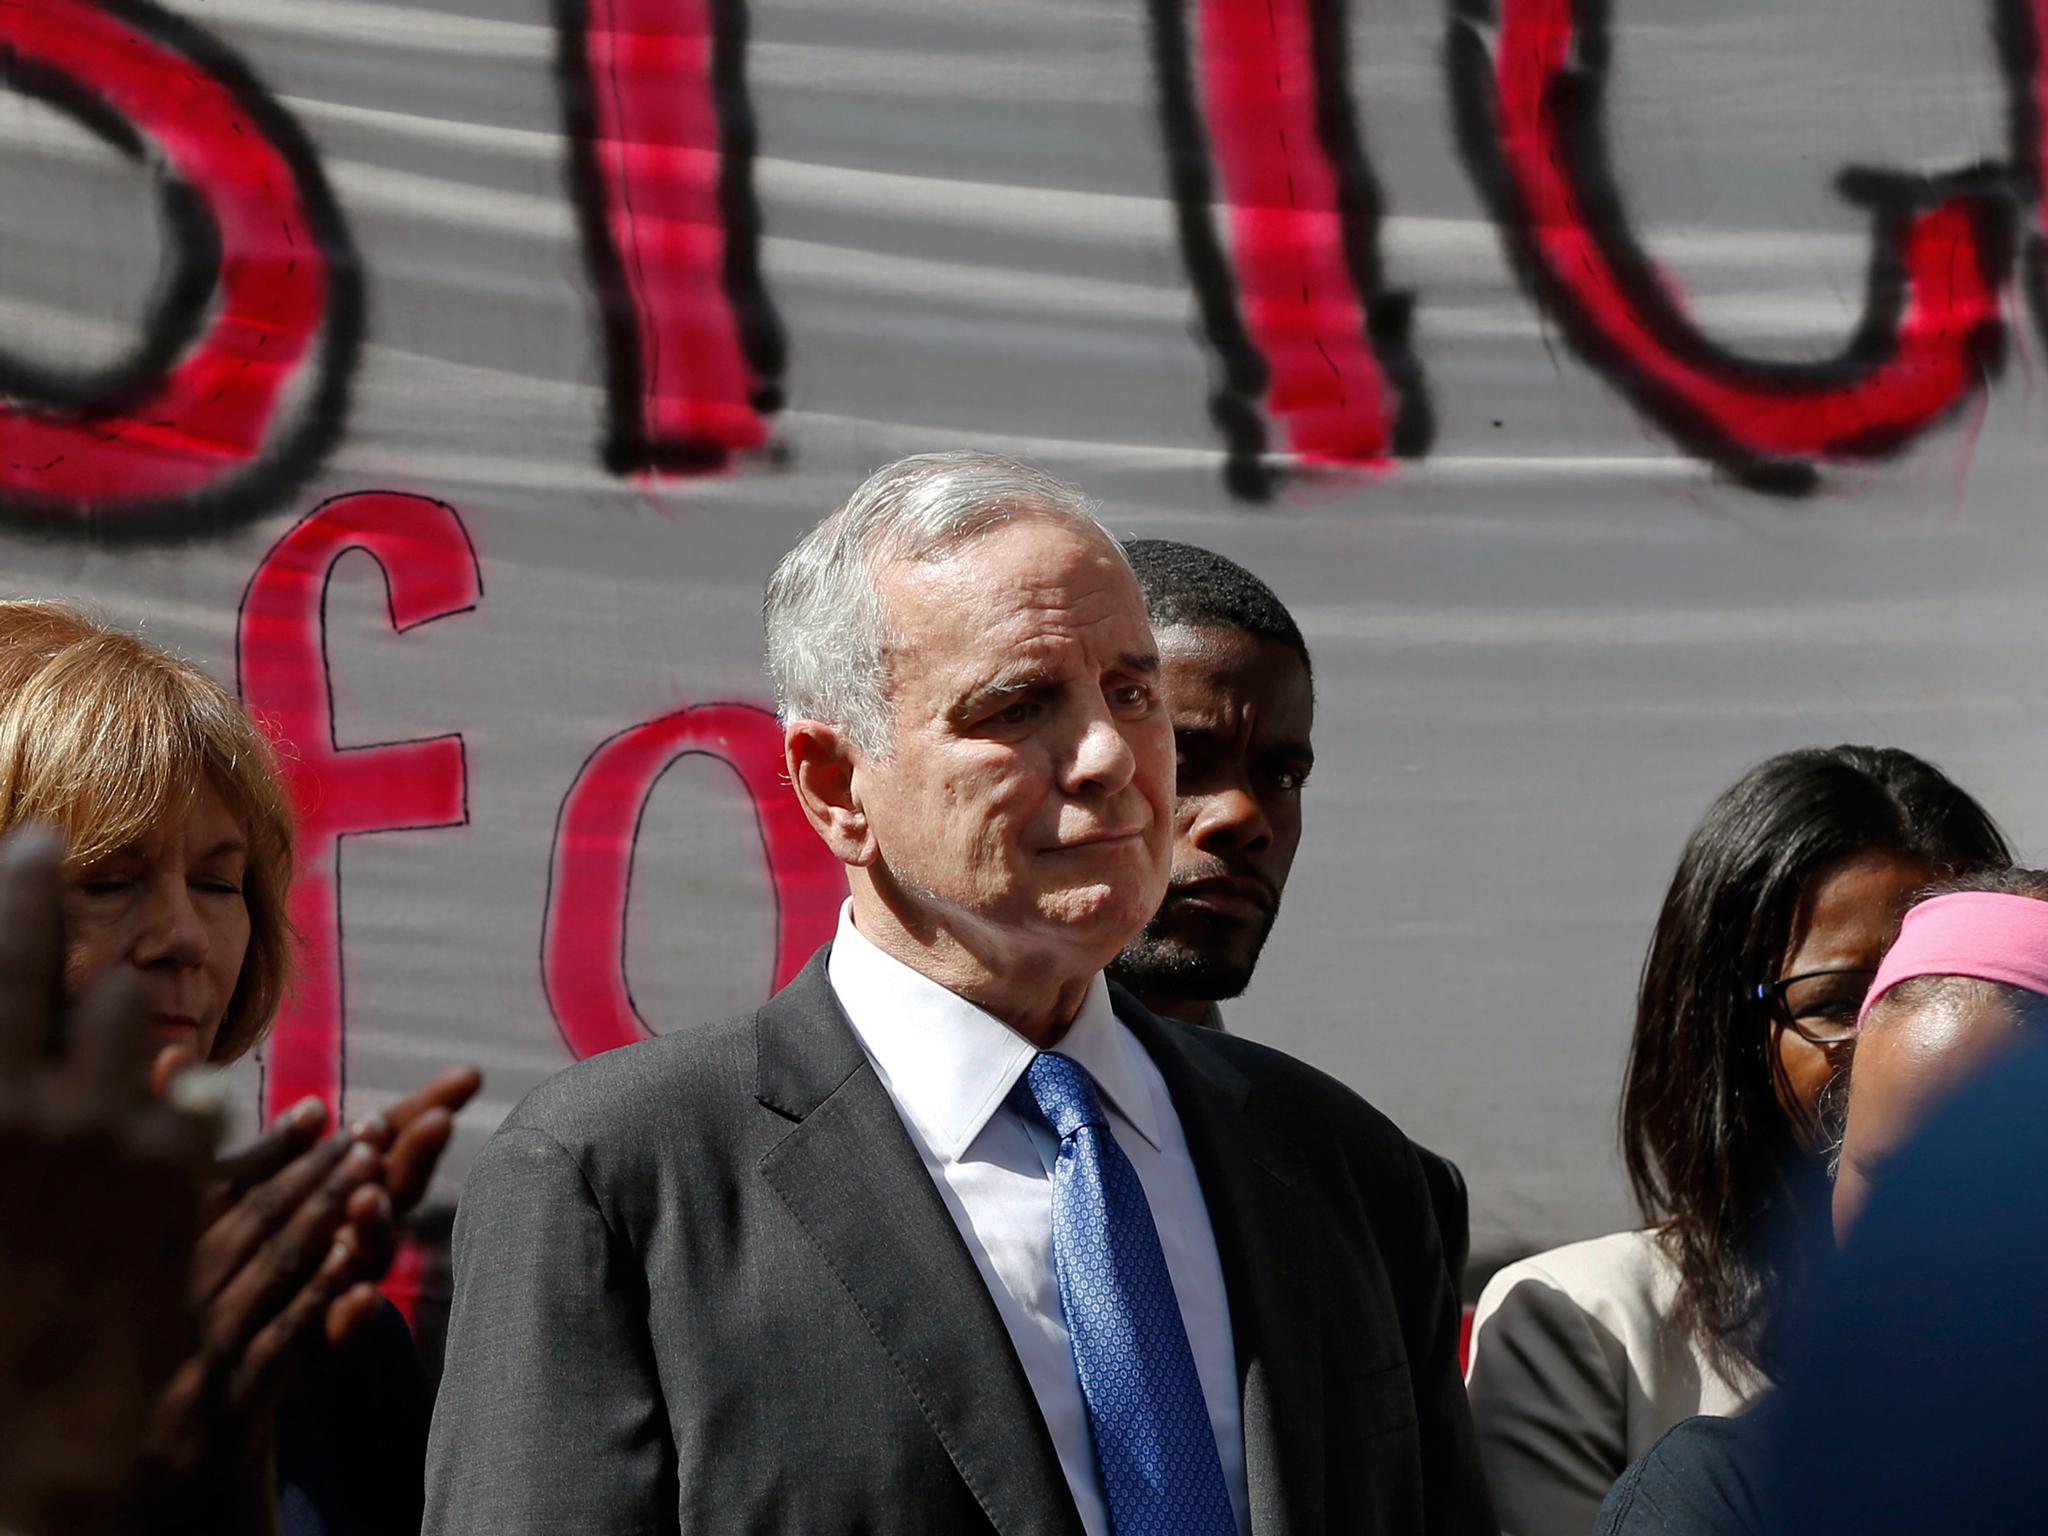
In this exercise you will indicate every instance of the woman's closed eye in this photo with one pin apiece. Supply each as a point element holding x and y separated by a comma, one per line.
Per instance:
<point>103,883</point>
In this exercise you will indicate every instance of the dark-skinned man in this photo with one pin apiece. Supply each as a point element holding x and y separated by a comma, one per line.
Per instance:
<point>1240,689</point>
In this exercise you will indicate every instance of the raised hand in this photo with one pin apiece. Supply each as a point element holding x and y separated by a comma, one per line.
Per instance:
<point>413,1133</point>
<point>274,1257</point>
<point>99,1209</point>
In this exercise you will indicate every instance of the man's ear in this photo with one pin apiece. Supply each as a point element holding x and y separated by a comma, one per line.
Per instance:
<point>820,761</point>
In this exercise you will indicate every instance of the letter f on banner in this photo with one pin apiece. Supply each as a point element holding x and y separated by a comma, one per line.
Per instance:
<point>430,572</point>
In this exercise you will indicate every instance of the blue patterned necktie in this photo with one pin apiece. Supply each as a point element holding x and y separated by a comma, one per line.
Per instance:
<point>1154,1445</point>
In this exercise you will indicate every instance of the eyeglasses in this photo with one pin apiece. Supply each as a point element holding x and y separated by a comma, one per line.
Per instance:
<point>1820,1007</point>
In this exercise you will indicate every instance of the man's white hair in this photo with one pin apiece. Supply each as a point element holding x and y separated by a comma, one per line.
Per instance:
<point>827,624</point>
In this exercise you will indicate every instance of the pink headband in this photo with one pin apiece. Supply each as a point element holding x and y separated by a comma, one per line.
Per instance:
<point>1969,933</point>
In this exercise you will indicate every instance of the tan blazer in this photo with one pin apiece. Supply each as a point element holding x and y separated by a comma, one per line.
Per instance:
<point>1575,1370</point>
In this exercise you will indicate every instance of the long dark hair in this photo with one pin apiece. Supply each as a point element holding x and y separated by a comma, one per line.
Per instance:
<point>1715,1163</point>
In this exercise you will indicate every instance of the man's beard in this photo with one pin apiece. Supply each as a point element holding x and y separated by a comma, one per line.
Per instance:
<point>1159,963</point>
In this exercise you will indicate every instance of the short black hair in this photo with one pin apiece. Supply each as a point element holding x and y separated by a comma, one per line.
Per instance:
<point>1186,584</point>
<point>2009,881</point>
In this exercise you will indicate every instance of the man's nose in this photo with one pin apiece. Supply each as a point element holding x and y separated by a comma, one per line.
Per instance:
<point>172,930</point>
<point>1103,761</point>
<point>1231,820</point>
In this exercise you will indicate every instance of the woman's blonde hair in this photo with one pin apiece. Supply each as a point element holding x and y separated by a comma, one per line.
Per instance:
<point>104,736</point>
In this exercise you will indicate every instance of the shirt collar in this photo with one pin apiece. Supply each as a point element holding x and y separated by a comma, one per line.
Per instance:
<point>948,1065</point>
<point>1112,1056</point>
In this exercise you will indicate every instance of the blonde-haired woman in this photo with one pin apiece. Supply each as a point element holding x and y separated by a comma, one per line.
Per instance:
<point>178,837</point>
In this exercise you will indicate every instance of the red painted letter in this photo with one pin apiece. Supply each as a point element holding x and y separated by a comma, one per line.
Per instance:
<point>190,431</point>
<point>2019,28</point>
<point>430,571</point>
<point>1530,119</point>
<point>1294,310</point>
<point>662,147</point>
<point>583,934</point>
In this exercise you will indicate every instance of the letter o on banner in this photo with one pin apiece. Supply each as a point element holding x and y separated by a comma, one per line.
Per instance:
<point>583,934</point>
<point>225,429</point>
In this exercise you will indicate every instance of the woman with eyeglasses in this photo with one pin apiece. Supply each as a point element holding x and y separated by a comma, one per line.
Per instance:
<point>1785,899</point>
<point>1937,1385</point>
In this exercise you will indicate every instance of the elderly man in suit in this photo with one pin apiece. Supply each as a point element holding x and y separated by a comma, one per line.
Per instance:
<point>951,1236</point>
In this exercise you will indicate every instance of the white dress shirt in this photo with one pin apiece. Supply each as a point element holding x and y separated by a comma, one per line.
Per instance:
<point>949,1068</point>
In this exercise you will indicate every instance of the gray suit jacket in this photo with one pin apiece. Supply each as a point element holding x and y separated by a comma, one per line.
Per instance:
<point>705,1284</point>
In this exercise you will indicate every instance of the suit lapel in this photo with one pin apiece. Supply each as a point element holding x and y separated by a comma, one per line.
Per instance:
<point>1259,1209</point>
<point>850,1176</point>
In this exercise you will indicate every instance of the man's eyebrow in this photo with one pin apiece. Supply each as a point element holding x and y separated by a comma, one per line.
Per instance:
<point>1016,679</point>
<point>1025,676</point>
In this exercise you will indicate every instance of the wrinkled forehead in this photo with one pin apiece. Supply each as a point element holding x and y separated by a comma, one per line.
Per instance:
<point>1934,1016</point>
<point>1236,665</point>
<point>1228,690</point>
<point>1917,1042</point>
<point>1029,578</point>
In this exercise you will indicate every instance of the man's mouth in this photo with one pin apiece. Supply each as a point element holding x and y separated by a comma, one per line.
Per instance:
<point>1235,895</point>
<point>1101,839</point>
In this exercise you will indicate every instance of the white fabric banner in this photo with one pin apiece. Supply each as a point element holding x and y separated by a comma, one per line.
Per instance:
<point>1616,393</point>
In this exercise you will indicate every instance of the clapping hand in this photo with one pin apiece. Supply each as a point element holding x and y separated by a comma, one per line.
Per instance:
<point>298,1231</point>
<point>99,1207</point>
<point>411,1134</point>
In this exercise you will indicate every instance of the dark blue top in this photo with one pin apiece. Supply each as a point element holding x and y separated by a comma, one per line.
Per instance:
<point>352,1447</point>
<point>1919,1397</point>
<point>1703,1477</point>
